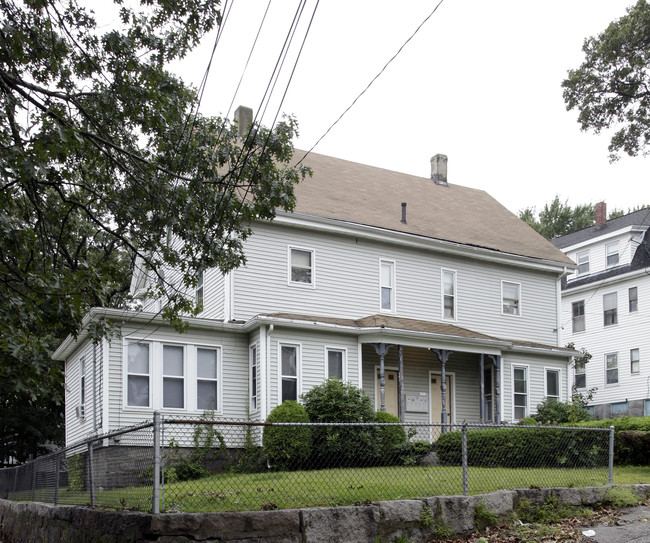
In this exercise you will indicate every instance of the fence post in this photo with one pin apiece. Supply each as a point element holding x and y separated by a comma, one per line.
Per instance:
<point>155,503</point>
<point>91,476</point>
<point>464,456</point>
<point>611,455</point>
<point>57,466</point>
<point>33,464</point>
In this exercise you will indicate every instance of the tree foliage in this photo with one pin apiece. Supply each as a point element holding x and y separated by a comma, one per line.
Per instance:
<point>558,219</point>
<point>104,157</point>
<point>611,88</point>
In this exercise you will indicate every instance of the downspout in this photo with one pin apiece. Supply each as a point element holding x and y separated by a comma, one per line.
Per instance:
<point>267,390</point>
<point>95,386</point>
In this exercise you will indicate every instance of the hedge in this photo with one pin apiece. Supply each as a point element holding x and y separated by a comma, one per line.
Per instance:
<point>631,439</point>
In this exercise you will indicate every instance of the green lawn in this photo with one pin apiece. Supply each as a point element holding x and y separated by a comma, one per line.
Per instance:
<point>240,492</point>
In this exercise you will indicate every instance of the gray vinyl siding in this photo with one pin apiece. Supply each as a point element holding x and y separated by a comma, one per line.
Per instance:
<point>346,275</point>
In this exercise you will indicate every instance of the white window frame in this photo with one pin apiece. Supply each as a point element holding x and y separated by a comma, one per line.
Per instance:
<point>165,377</point>
<point>453,295</point>
<point>558,372</point>
<point>581,318</point>
<point>312,267</point>
<point>199,290</point>
<point>82,381</point>
<point>392,286</point>
<point>516,305</point>
<point>195,377</point>
<point>582,260</point>
<point>633,300</point>
<point>609,296</point>
<point>253,380</point>
<point>635,361</point>
<point>127,342</point>
<point>526,394</point>
<point>579,369</point>
<point>611,253</point>
<point>344,361</point>
<point>282,376</point>
<point>608,369</point>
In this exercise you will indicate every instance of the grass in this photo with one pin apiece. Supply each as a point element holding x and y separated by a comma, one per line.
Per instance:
<point>282,490</point>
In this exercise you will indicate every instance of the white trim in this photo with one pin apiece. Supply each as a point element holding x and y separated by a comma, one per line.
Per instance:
<point>254,361</point>
<point>618,370</point>
<point>125,369</point>
<point>559,382</point>
<point>160,386</point>
<point>265,364</point>
<point>519,312</point>
<point>600,239</point>
<point>442,294</point>
<point>106,398</point>
<point>228,297</point>
<point>344,362</point>
<point>300,284</point>
<point>298,347</point>
<point>359,383</point>
<point>607,255</point>
<point>393,286</point>
<point>452,398</point>
<point>194,361</point>
<point>375,383</point>
<point>514,366</point>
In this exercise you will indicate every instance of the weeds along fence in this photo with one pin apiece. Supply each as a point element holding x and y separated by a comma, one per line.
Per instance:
<point>198,465</point>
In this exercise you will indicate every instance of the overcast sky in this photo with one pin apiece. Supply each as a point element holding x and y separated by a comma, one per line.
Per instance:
<point>480,83</point>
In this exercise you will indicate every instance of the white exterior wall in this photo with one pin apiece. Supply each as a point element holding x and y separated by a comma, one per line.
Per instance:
<point>346,284</point>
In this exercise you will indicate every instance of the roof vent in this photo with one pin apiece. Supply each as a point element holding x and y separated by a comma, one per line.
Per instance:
<point>439,169</point>
<point>244,118</point>
<point>404,212</point>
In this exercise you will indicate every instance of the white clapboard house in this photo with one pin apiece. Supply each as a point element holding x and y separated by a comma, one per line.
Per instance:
<point>605,310</point>
<point>436,300</point>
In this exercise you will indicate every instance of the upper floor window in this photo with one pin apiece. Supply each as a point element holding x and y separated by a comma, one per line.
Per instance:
<point>610,309</point>
<point>207,378</point>
<point>553,384</point>
<point>253,379</point>
<point>633,295</point>
<point>198,291</point>
<point>578,316</point>
<point>289,365</point>
<point>580,378</point>
<point>449,294</point>
<point>336,364</point>
<point>137,374</point>
<point>611,250</point>
<point>611,368</point>
<point>582,259</point>
<point>301,266</point>
<point>635,361</point>
<point>387,285</point>
<point>510,293</point>
<point>520,382</point>
<point>173,376</point>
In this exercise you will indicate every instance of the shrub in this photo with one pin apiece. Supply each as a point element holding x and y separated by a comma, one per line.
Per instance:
<point>389,439</point>
<point>552,411</point>
<point>628,449</point>
<point>412,452</point>
<point>287,447</point>
<point>335,401</point>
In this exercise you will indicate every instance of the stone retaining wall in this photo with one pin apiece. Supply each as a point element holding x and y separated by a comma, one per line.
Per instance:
<point>387,521</point>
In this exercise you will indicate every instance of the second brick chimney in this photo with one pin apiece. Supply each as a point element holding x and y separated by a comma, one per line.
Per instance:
<point>601,215</point>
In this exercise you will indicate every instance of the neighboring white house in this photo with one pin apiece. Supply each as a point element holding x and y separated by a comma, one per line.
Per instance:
<point>425,294</point>
<point>606,310</point>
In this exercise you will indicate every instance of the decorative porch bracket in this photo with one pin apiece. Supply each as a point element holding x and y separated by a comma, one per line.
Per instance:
<point>443,355</point>
<point>382,350</point>
<point>496,362</point>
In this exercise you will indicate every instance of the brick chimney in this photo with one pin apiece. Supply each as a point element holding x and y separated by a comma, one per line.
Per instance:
<point>439,169</point>
<point>601,215</point>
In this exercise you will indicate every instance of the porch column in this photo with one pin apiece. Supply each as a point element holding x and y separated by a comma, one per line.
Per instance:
<point>401,408</point>
<point>481,407</point>
<point>496,361</point>
<point>443,356</point>
<point>382,349</point>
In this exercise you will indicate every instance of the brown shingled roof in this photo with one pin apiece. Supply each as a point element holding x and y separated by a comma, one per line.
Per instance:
<point>366,195</point>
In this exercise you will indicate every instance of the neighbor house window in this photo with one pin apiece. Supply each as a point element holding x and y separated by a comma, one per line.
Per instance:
<point>137,368</point>
<point>335,363</point>
<point>82,382</point>
<point>510,293</point>
<point>618,408</point>
<point>520,386</point>
<point>289,372</point>
<point>387,285</point>
<point>253,379</point>
<point>553,384</point>
<point>580,378</point>
<point>633,295</point>
<point>578,312</point>
<point>612,254</point>
<point>207,367</point>
<point>611,371</point>
<point>173,376</point>
<point>301,266</point>
<point>646,408</point>
<point>198,291</point>
<point>582,259</point>
<point>610,309</point>
<point>449,294</point>
<point>635,361</point>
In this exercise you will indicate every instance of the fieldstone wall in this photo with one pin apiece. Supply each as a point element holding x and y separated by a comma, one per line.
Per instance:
<point>419,520</point>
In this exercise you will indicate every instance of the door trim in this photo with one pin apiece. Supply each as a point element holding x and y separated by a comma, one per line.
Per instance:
<point>452,399</point>
<point>376,383</point>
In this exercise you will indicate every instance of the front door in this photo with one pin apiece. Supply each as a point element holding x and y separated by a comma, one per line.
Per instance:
<point>436,399</point>
<point>391,391</point>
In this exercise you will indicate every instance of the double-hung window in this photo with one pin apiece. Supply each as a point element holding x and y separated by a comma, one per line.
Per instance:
<point>611,368</point>
<point>387,285</point>
<point>336,364</point>
<point>173,364</point>
<point>582,259</point>
<point>520,387</point>
<point>82,382</point>
<point>611,251</point>
<point>553,384</point>
<point>289,366</point>
<point>198,291</point>
<point>207,384</point>
<point>580,377</point>
<point>578,316</point>
<point>253,379</point>
<point>449,294</point>
<point>633,297</point>
<point>510,293</point>
<point>635,361</point>
<point>610,309</point>
<point>301,266</point>
<point>138,372</point>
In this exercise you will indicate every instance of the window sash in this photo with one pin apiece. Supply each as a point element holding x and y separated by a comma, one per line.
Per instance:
<point>582,259</point>
<point>173,376</point>
<point>635,361</point>
<point>553,384</point>
<point>198,291</point>
<point>207,367</point>
<point>253,379</point>
<point>386,285</point>
<point>335,364</point>
<point>511,297</point>
<point>449,294</point>
<point>633,295</point>
<point>289,372</point>
<point>578,310</point>
<point>611,364</point>
<point>301,266</point>
<point>612,254</point>
<point>610,302</point>
<point>520,388</point>
<point>138,368</point>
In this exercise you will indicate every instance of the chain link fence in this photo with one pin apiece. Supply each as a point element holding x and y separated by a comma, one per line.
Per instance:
<point>198,465</point>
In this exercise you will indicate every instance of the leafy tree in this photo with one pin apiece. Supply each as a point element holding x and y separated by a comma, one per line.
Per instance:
<point>557,218</point>
<point>611,87</point>
<point>104,157</point>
